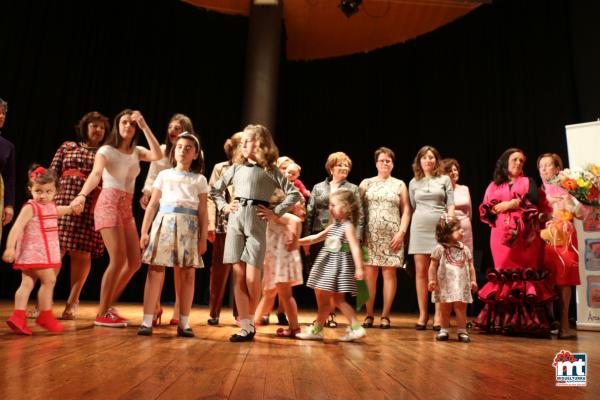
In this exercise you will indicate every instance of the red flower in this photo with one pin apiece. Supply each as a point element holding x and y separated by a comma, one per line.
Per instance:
<point>593,194</point>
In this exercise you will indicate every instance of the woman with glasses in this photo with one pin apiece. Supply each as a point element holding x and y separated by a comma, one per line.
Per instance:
<point>387,216</point>
<point>338,167</point>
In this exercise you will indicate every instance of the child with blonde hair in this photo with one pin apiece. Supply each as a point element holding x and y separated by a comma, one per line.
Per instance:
<point>254,177</point>
<point>337,267</point>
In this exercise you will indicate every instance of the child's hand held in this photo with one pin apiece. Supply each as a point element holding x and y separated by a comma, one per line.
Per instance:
<point>144,239</point>
<point>8,256</point>
<point>474,286</point>
<point>201,247</point>
<point>432,286</point>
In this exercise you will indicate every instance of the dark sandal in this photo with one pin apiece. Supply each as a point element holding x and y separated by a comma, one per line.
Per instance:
<point>368,322</point>
<point>331,322</point>
<point>386,325</point>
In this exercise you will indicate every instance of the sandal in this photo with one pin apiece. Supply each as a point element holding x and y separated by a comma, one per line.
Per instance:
<point>368,322</point>
<point>289,333</point>
<point>386,325</point>
<point>331,322</point>
<point>70,311</point>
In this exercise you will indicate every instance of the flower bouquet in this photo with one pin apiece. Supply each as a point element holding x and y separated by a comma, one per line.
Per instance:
<point>583,184</point>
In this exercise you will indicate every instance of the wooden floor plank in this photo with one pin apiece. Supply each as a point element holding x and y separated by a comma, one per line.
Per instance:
<point>399,363</point>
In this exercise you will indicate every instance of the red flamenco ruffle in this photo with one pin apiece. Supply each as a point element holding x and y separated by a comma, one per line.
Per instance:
<point>515,302</point>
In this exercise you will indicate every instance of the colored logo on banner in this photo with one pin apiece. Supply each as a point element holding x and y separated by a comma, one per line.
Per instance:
<point>570,368</point>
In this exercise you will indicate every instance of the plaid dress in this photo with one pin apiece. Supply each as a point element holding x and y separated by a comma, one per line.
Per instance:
<point>73,162</point>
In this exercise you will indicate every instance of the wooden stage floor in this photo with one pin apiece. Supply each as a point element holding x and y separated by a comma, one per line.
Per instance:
<point>399,363</point>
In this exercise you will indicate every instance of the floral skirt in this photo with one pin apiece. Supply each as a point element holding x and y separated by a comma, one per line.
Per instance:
<point>173,241</point>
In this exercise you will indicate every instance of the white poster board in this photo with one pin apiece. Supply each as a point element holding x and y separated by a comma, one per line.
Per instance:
<point>583,144</point>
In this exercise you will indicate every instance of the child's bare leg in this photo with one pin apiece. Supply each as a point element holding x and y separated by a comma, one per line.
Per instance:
<point>47,279</point>
<point>345,308</point>
<point>253,279</point>
<point>160,289</point>
<point>324,300</point>
<point>154,280</point>
<point>266,303</point>
<point>241,290</point>
<point>22,294</point>
<point>186,294</point>
<point>284,290</point>
<point>445,309</point>
<point>177,282</point>
<point>460,311</point>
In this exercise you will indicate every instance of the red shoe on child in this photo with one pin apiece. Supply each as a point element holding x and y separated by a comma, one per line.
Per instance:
<point>18,323</point>
<point>47,321</point>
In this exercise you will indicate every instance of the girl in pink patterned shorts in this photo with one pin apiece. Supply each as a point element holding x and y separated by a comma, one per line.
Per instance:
<point>117,164</point>
<point>33,247</point>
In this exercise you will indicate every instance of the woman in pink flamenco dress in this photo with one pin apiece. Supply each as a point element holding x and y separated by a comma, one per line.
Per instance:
<point>517,291</point>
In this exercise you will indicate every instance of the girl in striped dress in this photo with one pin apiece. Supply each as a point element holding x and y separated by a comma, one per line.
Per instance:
<point>337,267</point>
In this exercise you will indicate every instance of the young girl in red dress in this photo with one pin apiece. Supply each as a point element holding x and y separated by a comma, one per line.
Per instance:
<point>33,247</point>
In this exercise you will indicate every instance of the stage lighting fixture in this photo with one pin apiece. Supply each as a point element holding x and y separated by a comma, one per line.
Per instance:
<point>350,7</point>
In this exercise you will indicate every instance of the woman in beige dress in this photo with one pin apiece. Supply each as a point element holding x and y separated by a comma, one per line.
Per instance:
<point>387,216</point>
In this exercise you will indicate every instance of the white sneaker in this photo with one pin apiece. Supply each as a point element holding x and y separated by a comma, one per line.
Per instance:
<point>353,334</point>
<point>310,333</point>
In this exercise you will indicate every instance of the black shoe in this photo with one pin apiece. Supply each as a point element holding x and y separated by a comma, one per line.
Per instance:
<point>241,338</point>
<point>368,322</point>
<point>442,337</point>
<point>331,322</point>
<point>420,327</point>
<point>144,330</point>
<point>187,332</point>
<point>282,319</point>
<point>213,321</point>
<point>437,328</point>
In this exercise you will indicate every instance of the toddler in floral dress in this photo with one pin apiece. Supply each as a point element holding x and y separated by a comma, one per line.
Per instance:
<point>451,276</point>
<point>33,247</point>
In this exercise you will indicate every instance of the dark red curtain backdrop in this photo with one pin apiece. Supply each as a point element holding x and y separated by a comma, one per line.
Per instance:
<point>512,73</point>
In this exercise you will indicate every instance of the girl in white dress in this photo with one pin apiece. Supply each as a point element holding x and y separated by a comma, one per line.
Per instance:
<point>178,235</point>
<point>451,276</point>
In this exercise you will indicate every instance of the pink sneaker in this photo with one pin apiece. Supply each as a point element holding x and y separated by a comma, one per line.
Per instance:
<point>110,320</point>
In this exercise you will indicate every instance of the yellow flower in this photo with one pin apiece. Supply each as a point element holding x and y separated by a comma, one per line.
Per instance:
<point>582,183</point>
<point>595,169</point>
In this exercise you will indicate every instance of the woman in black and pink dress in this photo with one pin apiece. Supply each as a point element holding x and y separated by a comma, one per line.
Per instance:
<point>73,162</point>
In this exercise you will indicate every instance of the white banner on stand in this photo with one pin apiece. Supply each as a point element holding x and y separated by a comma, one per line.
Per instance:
<point>583,143</point>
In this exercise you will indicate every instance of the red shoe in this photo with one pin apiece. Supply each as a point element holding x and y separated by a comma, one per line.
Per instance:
<point>47,321</point>
<point>110,320</point>
<point>18,323</point>
<point>290,333</point>
<point>114,311</point>
<point>174,322</point>
<point>157,318</point>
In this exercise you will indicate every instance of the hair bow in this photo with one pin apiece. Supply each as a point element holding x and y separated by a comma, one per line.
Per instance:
<point>447,219</point>
<point>37,172</point>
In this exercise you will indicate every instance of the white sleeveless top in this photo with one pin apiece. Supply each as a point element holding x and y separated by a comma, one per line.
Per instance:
<point>121,169</point>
